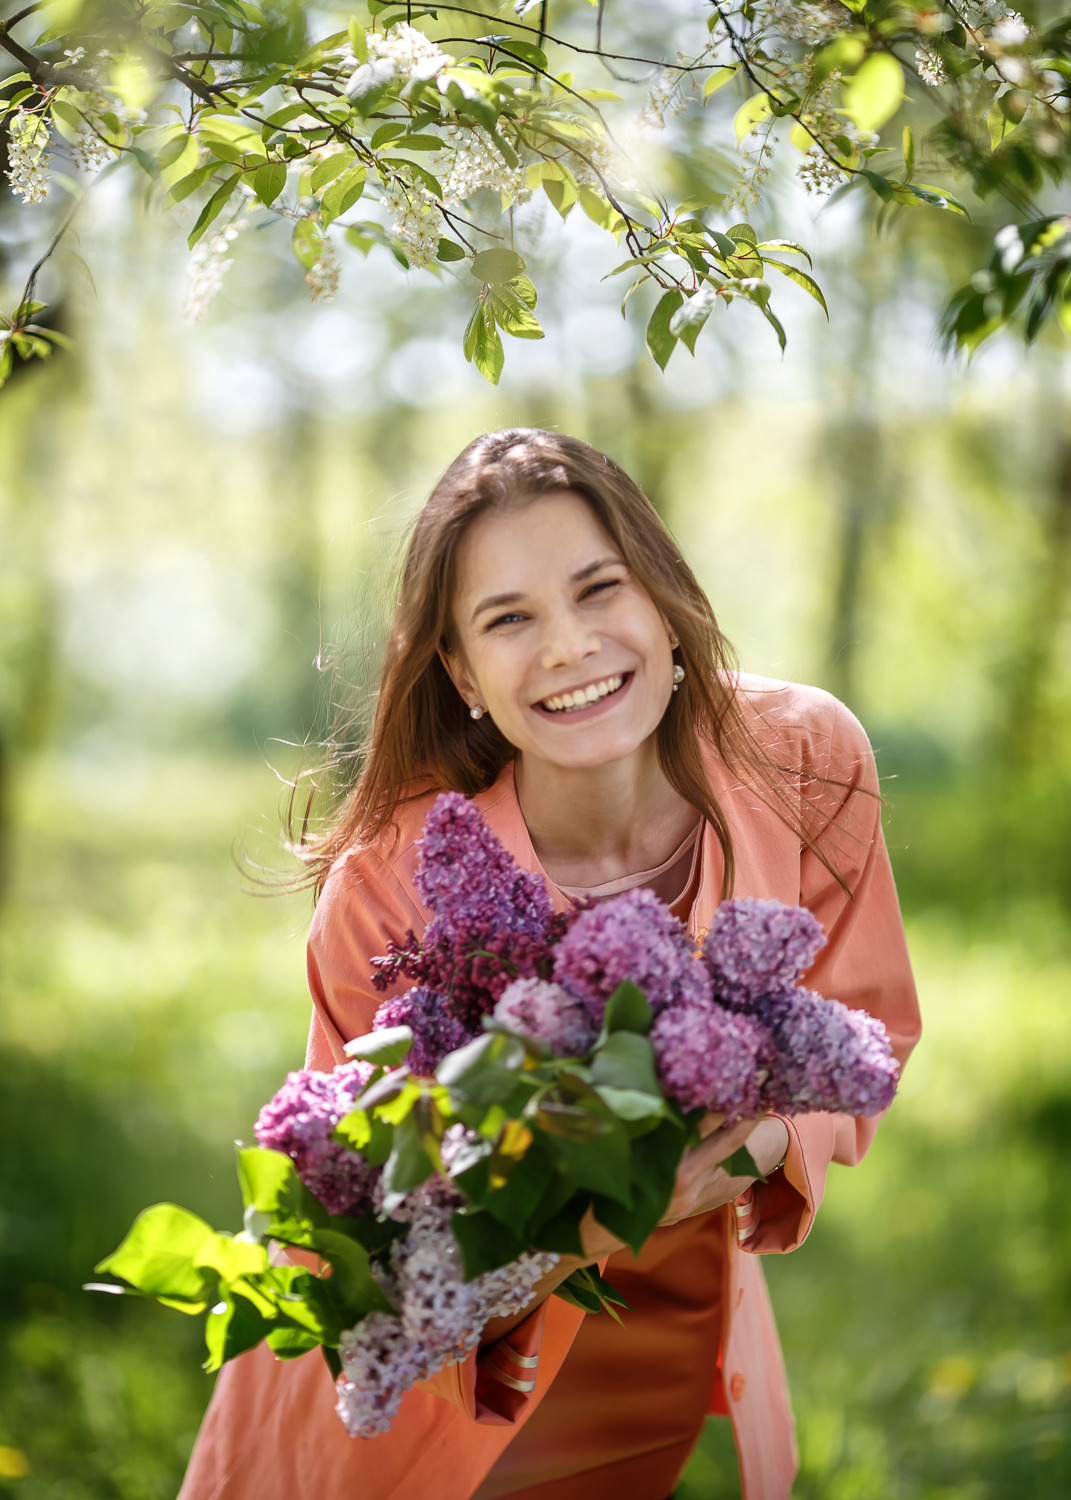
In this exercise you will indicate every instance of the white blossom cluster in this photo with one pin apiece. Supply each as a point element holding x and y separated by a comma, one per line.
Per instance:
<point>209,263</point>
<point>29,155</point>
<point>322,277</point>
<point>416,222</point>
<point>409,52</point>
<point>475,162</point>
<point>931,66</point>
<point>666,97</point>
<point>90,151</point>
<point>1011,30</point>
<point>819,171</point>
<point>813,22</point>
<point>441,1314</point>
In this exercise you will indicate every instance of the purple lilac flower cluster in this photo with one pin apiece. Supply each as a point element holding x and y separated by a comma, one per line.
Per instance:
<point>548,1014</point>
<point>631,937</point>
<point>441,1314</point>
<point>300,1120</point>
<point>468,879</point>
<point>435,1031</point>
<point>760,947</point>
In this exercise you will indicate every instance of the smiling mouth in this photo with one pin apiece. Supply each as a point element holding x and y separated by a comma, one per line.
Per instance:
<point>595,692</point>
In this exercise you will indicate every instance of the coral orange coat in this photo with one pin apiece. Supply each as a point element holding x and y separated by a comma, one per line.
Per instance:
<point>271,1432</point>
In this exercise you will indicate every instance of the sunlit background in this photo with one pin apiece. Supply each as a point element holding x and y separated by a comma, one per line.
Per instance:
<point>197,528</point>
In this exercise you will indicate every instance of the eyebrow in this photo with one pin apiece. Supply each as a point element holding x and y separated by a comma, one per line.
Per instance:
<point>497,601</point>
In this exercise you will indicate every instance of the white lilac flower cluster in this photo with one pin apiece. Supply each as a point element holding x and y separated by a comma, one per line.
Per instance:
<point>475,162</point>
<point>441,1314</point>
<point>90,151</point>
<point>813,22</point>
<point>931,66</point>
<point>409,52</point>
<point>416,221</point>
<point>29,155</point>
<point>209,263</point>
<point>322,277</point>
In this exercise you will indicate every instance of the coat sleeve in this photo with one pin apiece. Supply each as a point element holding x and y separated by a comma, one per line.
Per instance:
<point>864,964</point>
<point>364,904</point>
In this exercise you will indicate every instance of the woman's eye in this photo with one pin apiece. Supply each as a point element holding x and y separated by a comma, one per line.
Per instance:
<point>504,620</point>
<point>604,583</point>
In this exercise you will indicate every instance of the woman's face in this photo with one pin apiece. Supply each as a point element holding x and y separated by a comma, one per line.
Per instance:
<point>556,640</point>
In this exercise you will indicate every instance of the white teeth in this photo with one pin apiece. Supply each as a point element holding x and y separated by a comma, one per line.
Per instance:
<point>565,702</point>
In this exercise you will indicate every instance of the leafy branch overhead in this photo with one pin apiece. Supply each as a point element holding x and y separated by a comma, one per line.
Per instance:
<point>424,132</point>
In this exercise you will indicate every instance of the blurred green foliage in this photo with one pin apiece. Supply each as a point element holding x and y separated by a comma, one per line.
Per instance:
<point>186,528</point>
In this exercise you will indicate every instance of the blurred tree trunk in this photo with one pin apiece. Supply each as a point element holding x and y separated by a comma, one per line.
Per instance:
<point>1021,727</point>
<point>855,458</point>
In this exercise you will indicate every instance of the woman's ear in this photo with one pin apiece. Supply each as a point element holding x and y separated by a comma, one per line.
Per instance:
<point>455,670</point>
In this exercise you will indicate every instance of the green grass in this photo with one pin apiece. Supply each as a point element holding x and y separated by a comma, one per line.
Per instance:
<point>150,1006</point>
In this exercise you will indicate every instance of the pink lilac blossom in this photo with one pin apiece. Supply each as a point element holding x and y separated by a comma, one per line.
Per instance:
<point>756,947</point>
<point>712,1059</point>
<point>631,937</point>
<point>549,1014</point>
<point>829,1057</point>
<point>435,1030</point>
<point>300,1119</point>
<point>469,880</point>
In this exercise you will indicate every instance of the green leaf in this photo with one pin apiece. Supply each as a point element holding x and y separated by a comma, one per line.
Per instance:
<point>269,181</point>
<point>307,243</point>
<point>751,114</point>
<point>386,133</point>
<point>937,198</point>
<point>875,93</point>
<point>808,283</point>
<point>191,182</point>
<point>626,1061</point>
<point>492,1050</point>
<point>212,209</point>
<point>159,1256</point>
<point>342,195</point>
<point>591,1292</point>
<point>449,250</point>
<point>230,138</point>
<point>408,1164</point>
<point>496,266</point>
<point>352,1280</point>
<point>231,1327</point>
<point>560,1232</point>
<point>742,234</point>
<point>287,1342</point>
<point>881,185</point>
<point>489,358</point>
<point>513,314</point>
<point>628,1009</point>
<point>632,1105</point>
<point>385,1048</point>
<point>600,1165</point>
<point>330,168</point>
<point>789,246</point>
<point>690,318</point>
<point>908,140</point>
<point>841,55</point>
<point>271,1186</point>
<point>654,1159</point>
<point>742,1164</point>
<point>719,80</point>
<point>660,340</point>
<point>485,1242</point>
<point>599,210</point>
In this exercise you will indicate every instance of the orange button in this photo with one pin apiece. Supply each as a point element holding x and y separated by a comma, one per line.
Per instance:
<point>736,1385</point>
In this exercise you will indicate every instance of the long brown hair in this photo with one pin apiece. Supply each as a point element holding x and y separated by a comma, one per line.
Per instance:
<point>422,736</point>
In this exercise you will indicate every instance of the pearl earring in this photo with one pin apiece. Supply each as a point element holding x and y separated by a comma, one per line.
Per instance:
<point>678,677</point>
<point>475,712</point>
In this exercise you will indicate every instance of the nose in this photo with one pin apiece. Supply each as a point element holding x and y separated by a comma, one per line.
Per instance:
<point>567,640</point>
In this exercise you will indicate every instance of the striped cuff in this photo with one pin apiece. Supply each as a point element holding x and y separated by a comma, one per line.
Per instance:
<point>745,1220</point>
<point>503,1364</point>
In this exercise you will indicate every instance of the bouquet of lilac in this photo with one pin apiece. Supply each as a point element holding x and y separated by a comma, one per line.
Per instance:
<point>540,1066</point>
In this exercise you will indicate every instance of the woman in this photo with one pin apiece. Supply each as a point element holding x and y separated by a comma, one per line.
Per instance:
<point>553,656</point>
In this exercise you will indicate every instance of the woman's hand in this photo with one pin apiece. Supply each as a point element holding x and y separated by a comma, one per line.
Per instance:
<point>703,1185</point>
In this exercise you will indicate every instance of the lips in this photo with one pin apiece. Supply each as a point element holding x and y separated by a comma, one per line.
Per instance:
<point>580,698</point>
